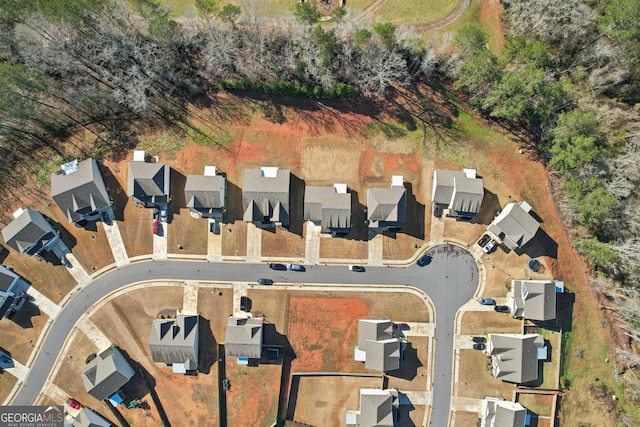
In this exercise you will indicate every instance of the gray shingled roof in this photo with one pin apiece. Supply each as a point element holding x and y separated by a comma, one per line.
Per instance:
<point>243,337</point>
<point>7,277</point>
<point>30,232</point>
<point>12,287</point>
<point>378,408</point>
<point>514,226</point>
<point>534,299</point>
<point>373,330</point>
<point>386,207</point>
<point>175,341</point>
<point>106,373</point>
<point>383,352</point>
<point>327,208</point>
<point>509,414</point>
<point>89,418</point>
<point>266,196</point>
<point>457,192</point>
<point>81,192</point>
<point>515,356</point>
<point>204,192</point>
<point>148,182</point>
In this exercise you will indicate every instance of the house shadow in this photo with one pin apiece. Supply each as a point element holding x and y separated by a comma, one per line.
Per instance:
<point>176,190</point>
<point>207,346</point>
<point>410,364</point>
<point>4,253</point>
<point>296,205</point>
<point>66,237</point>
<point>415,211</point>
<point>540,380</point>
<point>403,418</point>
<point>541,245</point>
<point>358,230</point>
<point>118,195</point>
<point>565,302</point>
<point>536,216</point>
<point>23,317</point>
<point>488,210</point>
<point>6,361</point>
<point>233,203</point>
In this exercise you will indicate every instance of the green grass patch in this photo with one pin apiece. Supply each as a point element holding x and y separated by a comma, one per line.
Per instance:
<point>209,136</point>
<point>412,12</point>
<point>358,4</point>
<point>50,167</point>
<point>167,142</point>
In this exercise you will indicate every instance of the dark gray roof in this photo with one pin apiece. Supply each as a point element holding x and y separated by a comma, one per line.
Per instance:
<point>534,299</point>
<point>243,337</point>
<point>148,182</point>
<point>383,352</point>
<point>7,278</point>
<point>264,196</point>
<point>175,341</point>
<point>106,373</point>
<point>456,191</point>
<point>81,192</point>
<point>514,226</point>
<point>89,418</point>
<point>205,192</point>
<point>325,206</point>
<point>28,233</point>
<point>515,356</point>
<point>378,408</point>
<point>386,207</point>
<point>12,287</point>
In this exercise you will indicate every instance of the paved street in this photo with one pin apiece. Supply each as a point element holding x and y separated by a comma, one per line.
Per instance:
<point>450,280</point>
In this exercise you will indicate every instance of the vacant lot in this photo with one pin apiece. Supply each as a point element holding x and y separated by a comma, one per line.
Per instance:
<point>19,334</point>
<point>234,239</point>
<point>215,304</point>
<point>280,242</point>
<point>475,378</point>
<point>466,419</point>
<point>489,322</point>
<point>7,381</point>
<point>188,232</point>
<point>252,399</point>
<point>314,406</point>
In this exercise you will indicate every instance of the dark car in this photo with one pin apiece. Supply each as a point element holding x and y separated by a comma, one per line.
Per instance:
<point>501,308</point>
<point>276,266</point>
<point>484,240</point>
<point>356,268</point>
<point>226,385</point>
<point>437,212</point>
<point>245,303</point>
<point>487,301</point>
<point>479,346</point>
<point>105,218</point>
<point>479,339</point>
<point>423,260</point>
<point>265,281</point>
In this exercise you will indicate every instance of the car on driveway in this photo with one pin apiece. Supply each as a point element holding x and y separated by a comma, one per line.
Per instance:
<point>423,260</point>
<point>262,281</point>
<point>489,246</point>
<point>245,303</point>
<point>74,403</point>
<point>155,226</point>
<point>163,213</point>
<point>226,385</point>
<point>437,212</point>
<point>484,240</point>
<point>479,346</point>
<point>487,301</point>
<point>501,308</point>
<point>401,326</point>
<point>276,266</point>
<point>479,339</point>
<point>356,268</point>
<point>295,267</point>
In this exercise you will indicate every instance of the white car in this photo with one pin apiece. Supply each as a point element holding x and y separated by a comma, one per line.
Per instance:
<point>163,213</point>
<point>489,246</point>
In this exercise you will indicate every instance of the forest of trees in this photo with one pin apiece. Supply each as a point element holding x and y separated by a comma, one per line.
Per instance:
<point>566,83</point>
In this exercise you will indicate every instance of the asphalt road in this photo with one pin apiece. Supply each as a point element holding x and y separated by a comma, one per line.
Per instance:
<point>450,280</point>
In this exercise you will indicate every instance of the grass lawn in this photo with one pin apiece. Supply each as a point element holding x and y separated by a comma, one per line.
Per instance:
<point>539,404</point>
<point>484,322</point>
<point>411,12</point>
<point>188,232</point>
<point>7,381</point>
<point>19,334</point>
<point>466,419</point>
<point>475,378</point>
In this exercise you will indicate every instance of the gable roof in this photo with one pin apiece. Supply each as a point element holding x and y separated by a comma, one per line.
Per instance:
<point>373,330</point>
<point>148,182</point>
<point>375,338</point>
<point>12,289</point>
<point>386,207</point>
<point>7,278</point>
<point>266,196</point>
<point>456,190</point>
<point>534,299</point>
<point>243,337</point>
<point>514,226</point>
<point>79,192</point>
<point>378,407</point>
<point>324,205</point>
<point>29,232</point>
<point>106,373</point>
<point>175,341</point>
<point>89,418</point>
<point>205,191</point>
<point>515,356</point>
<point>501,413</point>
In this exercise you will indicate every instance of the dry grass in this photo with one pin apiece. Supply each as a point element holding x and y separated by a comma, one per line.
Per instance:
<point>400,306</point>
<point>319,165</point>
<point>475,378</point>
<point>466,419</point>
<point>412,376</point>
<point>539,404</point>
<point>485,322</point>
<point>188,232</point>
<point>332,248</point>
<point>18,336</point>
<point>7,381</point>
<point>280,242</point>
<point>252,399</point>
<point>234,239</point>
<point>215,308</point>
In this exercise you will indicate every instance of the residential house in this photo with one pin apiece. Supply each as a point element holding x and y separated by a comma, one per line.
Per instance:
<point>148,183</point>
<point>501,413</point>
<point>265,196</point>
<point>387,207</point>
<point>377,347</point>
<point>30,233</point>
<point>328,207</point>
<point>514,357</point>
<point>175,342</point>
<point>461,192</point>
<point>243,338</point>
<point>13,291</point>
<point>79,191</point>
<point>378,408</point>
<point>106,373</point>
<point>205,194</point>
<point>87,417</point>
<point>534,299</point>
<point>515,226</point>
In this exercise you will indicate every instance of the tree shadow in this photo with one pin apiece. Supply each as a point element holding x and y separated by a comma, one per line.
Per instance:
<point>410,364</point>
<point>207,346</point>
<point>490,205</point>
<point>541,245</point>
<point>23,317</point>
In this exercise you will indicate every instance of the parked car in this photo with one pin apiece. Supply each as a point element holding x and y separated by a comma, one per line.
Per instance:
<point>401,326</point>
<point>262,281</point>
<point>245,303</point>
<point>479,346</point>
<point>487,301</point>
<point>489,246</point>
<point>501,308</point>
<point>295,267</point>
<point>356,268</point>
<point>226,385</point>
<point>74,403</point>
<point>276,266</point>
<point>105,218</point>
<point>437,212</point>
<point>163,213</point>
<point>423,260</point>
<point>479,339</point>
<point>484,240</point>
<point>155,226</point>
